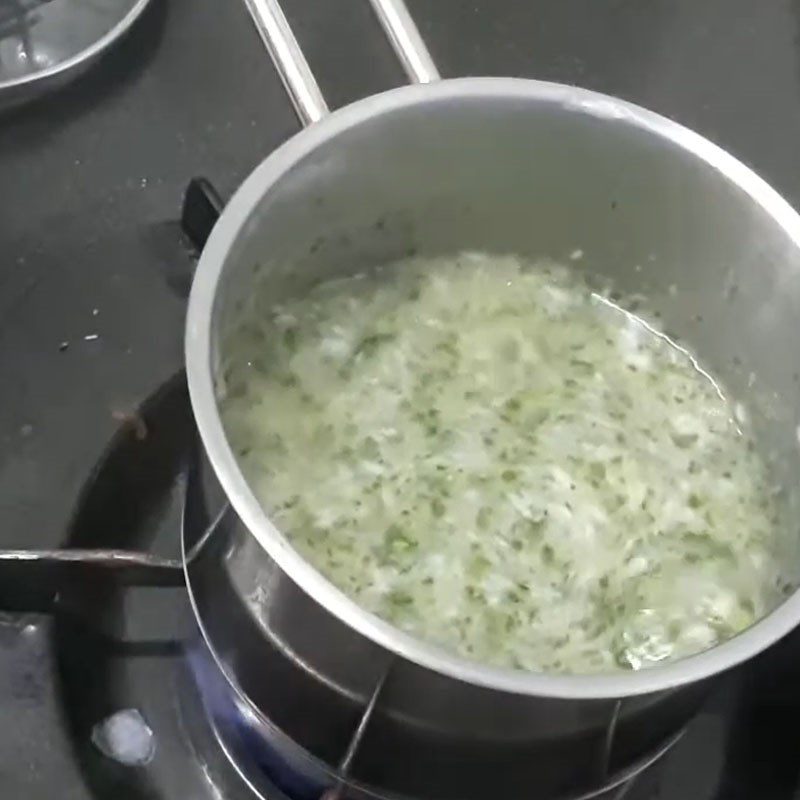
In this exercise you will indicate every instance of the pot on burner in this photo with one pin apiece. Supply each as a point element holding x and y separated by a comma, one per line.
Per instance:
<point>495,165</point>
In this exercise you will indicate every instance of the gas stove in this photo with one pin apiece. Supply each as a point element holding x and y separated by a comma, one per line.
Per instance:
<point>101,696</point>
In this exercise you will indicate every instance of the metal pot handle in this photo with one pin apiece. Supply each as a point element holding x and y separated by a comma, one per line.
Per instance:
<point>295,72</point>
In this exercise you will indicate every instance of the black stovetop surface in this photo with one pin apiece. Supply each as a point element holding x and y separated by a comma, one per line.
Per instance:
<point>92,179</point>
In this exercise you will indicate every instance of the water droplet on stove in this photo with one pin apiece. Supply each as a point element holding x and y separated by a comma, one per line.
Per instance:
<point>125,737</point>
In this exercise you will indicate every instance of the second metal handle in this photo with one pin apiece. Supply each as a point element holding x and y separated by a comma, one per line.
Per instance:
<point>300,83</point>
<point>406,40</point>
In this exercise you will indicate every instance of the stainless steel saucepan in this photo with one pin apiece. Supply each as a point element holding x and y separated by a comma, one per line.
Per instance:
<point>505,165</point>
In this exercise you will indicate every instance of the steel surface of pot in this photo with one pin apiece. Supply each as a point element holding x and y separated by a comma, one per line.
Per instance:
<point>499,165</point>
